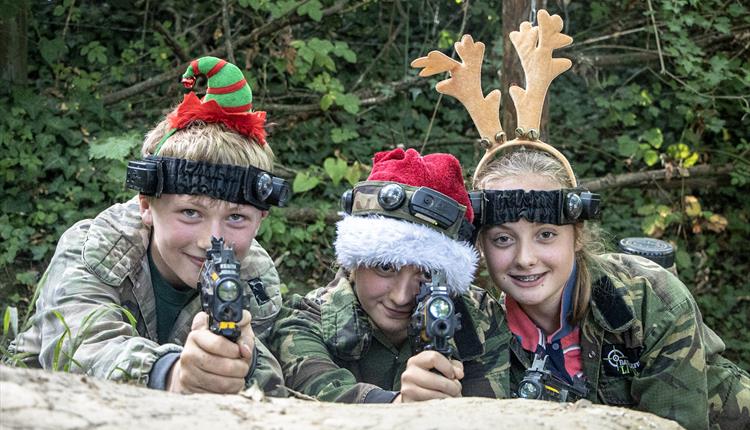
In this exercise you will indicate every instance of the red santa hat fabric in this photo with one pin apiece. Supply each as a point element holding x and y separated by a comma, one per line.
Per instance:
<point>375,239</point>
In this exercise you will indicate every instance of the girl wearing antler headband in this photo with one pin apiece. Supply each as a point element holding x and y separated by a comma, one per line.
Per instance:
<point>613,328</point>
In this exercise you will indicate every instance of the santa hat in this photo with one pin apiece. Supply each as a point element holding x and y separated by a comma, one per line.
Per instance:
<point>228,101</point>
<point>397,239</point>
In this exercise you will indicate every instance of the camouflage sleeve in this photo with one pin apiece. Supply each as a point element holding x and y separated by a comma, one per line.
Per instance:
<point>264,305</point>
<point>728,395</point>
<point>267,373</point>
<point>672,382</point>
<point>79,325</point>
<point>487,375</point>
<point>307,364</point>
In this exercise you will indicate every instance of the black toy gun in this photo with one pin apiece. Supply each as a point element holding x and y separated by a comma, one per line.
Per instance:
<point>434,320</point>
<point>221,289</point>
<point>539,383</point>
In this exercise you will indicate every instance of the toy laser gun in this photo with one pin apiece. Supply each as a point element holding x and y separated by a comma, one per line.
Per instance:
<point>221,289</point>
<point>539,383</point>
<point>434,320</point>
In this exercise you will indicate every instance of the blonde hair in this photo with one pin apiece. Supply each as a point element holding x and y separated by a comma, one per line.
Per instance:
<point>209,142</point>
<point>525,162</point>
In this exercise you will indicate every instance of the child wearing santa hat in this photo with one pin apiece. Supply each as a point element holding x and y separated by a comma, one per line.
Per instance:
<point>350,341</point>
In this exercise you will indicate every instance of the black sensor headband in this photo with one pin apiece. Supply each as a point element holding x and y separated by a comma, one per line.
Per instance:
<point>421,205</point>
<point>154,176</point>
<point>559,207</point>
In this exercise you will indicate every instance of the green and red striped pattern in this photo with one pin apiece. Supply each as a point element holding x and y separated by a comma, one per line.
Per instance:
<point>226,83</point>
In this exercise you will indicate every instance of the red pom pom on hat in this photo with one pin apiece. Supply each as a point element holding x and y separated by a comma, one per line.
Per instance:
<point>440,172</point>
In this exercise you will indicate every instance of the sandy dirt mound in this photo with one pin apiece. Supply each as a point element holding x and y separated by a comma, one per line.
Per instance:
<point>44,400</point>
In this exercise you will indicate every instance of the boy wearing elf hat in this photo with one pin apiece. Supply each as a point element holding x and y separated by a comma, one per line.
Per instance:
<point>350,341</point>
<point>119,298</point>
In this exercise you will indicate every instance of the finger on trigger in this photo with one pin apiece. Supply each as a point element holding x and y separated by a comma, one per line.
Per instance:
<point>443,365</point>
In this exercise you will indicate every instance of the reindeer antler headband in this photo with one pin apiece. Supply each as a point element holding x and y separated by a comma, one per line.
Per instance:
<point>534,46</point>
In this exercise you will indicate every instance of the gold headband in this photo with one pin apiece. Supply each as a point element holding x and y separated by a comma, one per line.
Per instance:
<point>534,46</point>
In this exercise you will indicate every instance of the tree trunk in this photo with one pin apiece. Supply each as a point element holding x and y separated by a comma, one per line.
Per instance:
<point>57,401</point>
<point>13,46</point>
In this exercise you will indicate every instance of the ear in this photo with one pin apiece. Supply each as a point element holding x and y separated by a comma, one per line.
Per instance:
<point>263,214</point>
<point>146,214</point>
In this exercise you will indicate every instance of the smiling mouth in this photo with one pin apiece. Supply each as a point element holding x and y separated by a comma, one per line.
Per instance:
<point>396,313</point>
<point>527,278</point>
<point>197,260</point>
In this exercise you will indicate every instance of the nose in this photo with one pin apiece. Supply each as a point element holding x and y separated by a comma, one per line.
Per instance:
<point>526,255</point>
<point>213,229</point>
<point>405,289</point>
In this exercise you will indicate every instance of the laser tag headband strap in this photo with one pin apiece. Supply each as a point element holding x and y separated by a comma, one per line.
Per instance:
<point>421,205</point>
<point>559,207</point>
<point>242,185</point>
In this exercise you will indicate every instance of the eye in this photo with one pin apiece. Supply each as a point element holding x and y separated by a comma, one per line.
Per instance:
<point>502,240</point>
<point>385,268</point>
<point>236,217</point>
<point>190,213</point>
<point>425,275</point>
<point>547,235</point>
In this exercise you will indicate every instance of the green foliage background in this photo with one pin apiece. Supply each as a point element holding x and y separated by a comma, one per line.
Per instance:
<point>334,77</point>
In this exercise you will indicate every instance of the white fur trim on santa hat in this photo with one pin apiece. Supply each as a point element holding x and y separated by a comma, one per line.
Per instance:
<point>368,241</point>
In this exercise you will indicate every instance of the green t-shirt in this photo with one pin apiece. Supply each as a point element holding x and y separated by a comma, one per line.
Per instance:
<point>169,301</point>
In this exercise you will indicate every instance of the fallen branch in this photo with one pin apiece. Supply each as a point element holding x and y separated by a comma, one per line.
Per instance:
<point>663,175</point>
<point>366,98</point>
<point>614,60</point>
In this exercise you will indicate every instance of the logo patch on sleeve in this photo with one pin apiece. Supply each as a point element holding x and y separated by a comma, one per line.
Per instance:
<point>620,361</point>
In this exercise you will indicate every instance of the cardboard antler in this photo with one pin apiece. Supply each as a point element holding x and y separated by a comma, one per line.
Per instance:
<point>534,46</point>
<point>465,84</point>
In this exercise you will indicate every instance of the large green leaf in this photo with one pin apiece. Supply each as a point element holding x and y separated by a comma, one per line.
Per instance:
<point>304,182</point>
<point>336,169</point>
<point>115,147</point>
<point>52,49</point>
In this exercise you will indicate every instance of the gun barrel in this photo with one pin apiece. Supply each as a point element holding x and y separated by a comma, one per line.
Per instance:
<point>434,321</point>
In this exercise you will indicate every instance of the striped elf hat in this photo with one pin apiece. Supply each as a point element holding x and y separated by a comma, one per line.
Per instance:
<point>228,101</point>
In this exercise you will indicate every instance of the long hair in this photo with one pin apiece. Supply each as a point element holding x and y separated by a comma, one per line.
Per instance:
<point>526,162</point>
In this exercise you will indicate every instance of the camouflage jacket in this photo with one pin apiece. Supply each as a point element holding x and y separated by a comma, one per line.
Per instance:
<point>102,264</point>
<point>644,346</point>
<point>329,348</point>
